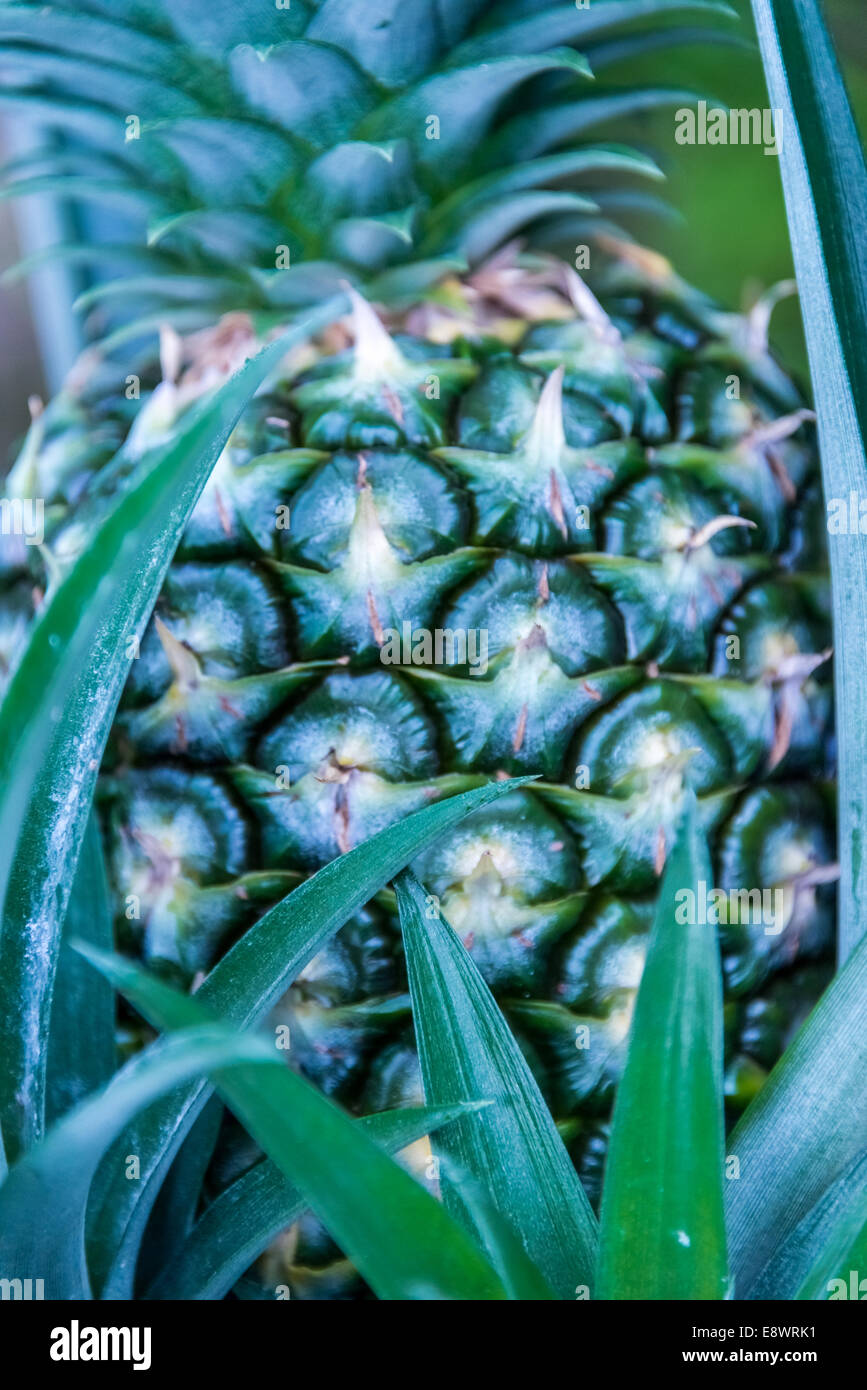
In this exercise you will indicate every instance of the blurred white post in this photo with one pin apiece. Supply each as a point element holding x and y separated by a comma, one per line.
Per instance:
<point>42,221</point>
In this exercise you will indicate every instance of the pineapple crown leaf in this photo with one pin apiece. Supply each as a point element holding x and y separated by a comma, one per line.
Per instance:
<point>245,141</point>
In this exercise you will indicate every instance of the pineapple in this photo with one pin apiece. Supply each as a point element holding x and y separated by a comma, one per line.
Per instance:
<point>534,505</point>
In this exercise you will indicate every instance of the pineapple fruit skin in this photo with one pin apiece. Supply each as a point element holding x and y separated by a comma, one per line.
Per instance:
<point>560,494</point>
<point>240,769</point>
<point>273,699</point>
<point>566,472</point>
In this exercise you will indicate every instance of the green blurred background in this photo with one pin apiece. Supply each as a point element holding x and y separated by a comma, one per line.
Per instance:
<point>731,240</point>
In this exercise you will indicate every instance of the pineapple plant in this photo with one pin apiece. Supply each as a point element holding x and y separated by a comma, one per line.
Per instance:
<point>525,504</point>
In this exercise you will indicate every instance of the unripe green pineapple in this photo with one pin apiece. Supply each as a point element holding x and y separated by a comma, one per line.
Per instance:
<point>503,517</point>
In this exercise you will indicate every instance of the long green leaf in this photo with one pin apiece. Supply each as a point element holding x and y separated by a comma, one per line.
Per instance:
<point>843,1204</point>
<point>825,183</point>
<point>174,1211</point>
<point>521,1279</point>
<point>244,1219</point>
<point>400,1238</point>
<point>58,711</point>
<point>560,24</point>
<point>81,1048</point>
<point>662,1232</point>
<point>95,37</point>
<point>42,1201</point>
<point>511,1148</point>
<point>243,987</point>
<point>838,1269</point>
<point>807,1125</point>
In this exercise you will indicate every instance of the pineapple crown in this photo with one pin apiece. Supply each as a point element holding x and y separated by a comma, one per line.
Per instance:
<point>266,150</point>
